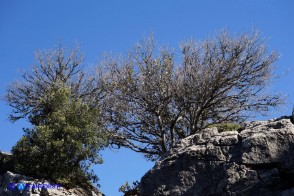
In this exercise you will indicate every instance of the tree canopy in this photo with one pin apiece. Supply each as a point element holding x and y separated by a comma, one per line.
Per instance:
<point>158,96</point>
<point>62,105</point>
<point>54,68</point>
<point>147,100</point>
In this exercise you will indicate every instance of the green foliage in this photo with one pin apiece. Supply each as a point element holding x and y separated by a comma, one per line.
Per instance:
<point>62,103</point>
<point>124,188</point>
<point>6,163</point>
<point>129,190</point>
<point>227,127</point>
<point>64,143</point>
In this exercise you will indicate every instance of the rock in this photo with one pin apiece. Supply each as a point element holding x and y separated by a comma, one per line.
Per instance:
<point>257,161</point>
<point>35,187</point>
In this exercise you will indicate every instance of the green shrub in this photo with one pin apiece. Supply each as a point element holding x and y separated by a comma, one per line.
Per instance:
<point>129,190</point>
<point>64,144</point>
<point>6,163</point>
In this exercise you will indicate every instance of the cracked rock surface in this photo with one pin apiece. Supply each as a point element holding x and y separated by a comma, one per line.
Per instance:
<point>257,161</point>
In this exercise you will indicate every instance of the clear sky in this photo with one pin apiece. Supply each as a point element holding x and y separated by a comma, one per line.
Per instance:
<point>29,25</point>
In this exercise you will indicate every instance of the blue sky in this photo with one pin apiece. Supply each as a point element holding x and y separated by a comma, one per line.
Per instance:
<point>26,26</point>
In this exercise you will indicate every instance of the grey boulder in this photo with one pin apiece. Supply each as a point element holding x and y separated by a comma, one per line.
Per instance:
<point>256,161</point>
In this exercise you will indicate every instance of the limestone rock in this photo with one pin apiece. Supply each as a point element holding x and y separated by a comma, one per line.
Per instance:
<point>35,187</point>
<point>257,161</point>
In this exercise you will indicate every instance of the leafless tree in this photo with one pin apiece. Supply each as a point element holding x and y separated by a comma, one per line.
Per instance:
<point>154,99</point>
<point>53,69</point>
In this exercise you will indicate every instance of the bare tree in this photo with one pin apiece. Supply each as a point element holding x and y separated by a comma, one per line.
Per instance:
<point>155,100</point>
<point>54,69</point>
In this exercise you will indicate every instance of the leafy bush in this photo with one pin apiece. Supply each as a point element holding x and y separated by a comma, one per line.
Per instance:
<point>6,163</point>
<point>129,190</point>
<point>61,101</point>
<point>66,143</point>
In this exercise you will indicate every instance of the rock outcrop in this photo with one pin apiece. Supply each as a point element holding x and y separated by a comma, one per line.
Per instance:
<point>259,160</point>
<point>9,183</point>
